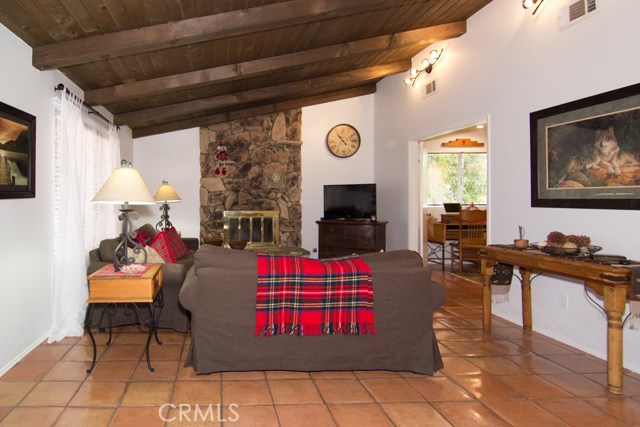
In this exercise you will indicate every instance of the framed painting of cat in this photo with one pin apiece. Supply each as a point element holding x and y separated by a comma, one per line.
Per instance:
<point>586,153</point>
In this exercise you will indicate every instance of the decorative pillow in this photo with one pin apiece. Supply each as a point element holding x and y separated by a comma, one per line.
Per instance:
<point>161,244</point>
<point>178,248</point>
<point>153,257</point>
<point>142,237</point>
<point>106,249</point>
<point>148,228</point>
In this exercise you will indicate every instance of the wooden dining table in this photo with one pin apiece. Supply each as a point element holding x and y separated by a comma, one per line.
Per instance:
<point>612,281</point>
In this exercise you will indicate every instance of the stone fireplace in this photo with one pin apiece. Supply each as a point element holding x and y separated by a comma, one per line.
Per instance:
<point>263,173</point>
<point>259,229</point>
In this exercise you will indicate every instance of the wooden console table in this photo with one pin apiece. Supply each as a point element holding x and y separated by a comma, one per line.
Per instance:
<point>612,282</point>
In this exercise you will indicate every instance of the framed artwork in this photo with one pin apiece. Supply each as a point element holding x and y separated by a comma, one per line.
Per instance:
<point>17,153</point>
<point>586,153</point>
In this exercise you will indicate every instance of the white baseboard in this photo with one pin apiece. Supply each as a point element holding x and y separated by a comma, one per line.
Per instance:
<point>12,363</point>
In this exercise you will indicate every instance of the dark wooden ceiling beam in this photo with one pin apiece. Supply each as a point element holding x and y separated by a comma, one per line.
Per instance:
<point>200,29</point>
<point>353,77</point>
<point>414,38</point>
<point>251,112</point>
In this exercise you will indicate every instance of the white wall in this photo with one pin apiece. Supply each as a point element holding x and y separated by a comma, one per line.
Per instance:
<point>27,227</point>
<point>505,71</point>
<point>174,157</point>
<point>320,167</point>
<point>26,254</point>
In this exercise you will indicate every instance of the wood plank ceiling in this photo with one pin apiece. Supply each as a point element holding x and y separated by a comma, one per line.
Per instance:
<point>165,65</point>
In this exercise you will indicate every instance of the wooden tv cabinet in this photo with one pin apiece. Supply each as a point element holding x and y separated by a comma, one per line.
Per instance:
<point>345,237</point>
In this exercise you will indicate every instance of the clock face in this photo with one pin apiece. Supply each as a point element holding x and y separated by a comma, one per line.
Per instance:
<point>343,140</point>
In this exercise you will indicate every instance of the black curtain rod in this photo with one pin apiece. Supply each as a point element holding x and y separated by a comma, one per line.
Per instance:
<point>87,106</point>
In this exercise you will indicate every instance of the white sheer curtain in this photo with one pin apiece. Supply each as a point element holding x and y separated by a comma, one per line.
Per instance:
<point>102,157</point>
<point>85,155</point>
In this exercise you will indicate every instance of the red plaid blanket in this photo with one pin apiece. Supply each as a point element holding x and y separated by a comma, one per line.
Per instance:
<point>302,296</point>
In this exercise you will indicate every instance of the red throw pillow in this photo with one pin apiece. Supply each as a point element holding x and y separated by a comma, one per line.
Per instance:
<point>142,237</point>
<point>178,248</point>
<point>161,244</point>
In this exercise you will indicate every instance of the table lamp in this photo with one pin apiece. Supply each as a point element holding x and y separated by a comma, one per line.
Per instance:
<point>125,187</point>
<point>165,195</point>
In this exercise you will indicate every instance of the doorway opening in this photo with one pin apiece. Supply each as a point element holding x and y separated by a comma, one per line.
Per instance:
<point>453,176</point>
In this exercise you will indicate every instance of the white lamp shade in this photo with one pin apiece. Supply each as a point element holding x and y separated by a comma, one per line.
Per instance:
<point>125,185</point>
<point>166,194</point>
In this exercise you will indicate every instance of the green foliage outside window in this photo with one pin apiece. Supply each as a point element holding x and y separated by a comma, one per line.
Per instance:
<point>458,177</point>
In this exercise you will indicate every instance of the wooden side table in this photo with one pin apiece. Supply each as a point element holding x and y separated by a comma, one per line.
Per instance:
<point>109,287</point>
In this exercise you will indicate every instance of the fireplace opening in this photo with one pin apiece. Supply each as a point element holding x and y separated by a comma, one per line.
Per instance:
<point>257,228</point>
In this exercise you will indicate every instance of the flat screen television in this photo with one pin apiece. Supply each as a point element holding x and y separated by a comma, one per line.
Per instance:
<point>350,201</point>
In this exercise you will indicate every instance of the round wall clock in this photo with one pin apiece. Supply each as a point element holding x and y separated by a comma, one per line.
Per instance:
<point>343,140</point>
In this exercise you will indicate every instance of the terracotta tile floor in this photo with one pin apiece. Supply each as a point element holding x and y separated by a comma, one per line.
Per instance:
<point>499,378</point>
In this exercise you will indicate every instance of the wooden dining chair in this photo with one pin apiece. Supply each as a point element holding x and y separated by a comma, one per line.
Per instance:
<point>436,242</point>
<point>472,236</point>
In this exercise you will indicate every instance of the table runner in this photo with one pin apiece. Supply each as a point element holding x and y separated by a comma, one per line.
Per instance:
<point>109,270</point>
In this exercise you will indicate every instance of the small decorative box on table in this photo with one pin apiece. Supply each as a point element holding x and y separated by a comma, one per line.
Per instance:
<point>137,284</point>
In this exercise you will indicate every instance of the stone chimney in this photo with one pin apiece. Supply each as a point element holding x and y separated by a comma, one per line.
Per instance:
<point>263,172</point>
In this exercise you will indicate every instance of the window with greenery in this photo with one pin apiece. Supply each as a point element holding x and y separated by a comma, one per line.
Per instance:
<point>455,177</point>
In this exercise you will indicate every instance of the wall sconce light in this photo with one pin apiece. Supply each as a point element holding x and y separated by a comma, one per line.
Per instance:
<point>427,67</point>
<point>535,4</point>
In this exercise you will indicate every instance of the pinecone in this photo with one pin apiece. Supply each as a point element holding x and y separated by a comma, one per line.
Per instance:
<point>556,237</point>
<point>580,240</point>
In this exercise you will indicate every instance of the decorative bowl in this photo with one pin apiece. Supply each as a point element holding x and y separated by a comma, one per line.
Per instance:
<point>212,241</point>
<point>237,244</point>
<point>133,268</point>
<point>570,252</point>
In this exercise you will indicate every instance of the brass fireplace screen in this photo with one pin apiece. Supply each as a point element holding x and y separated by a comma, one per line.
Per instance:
<point>257,228</point>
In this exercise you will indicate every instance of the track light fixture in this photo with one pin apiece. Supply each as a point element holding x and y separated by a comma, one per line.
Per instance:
<point>427,67</point>
<point>535,4</point>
